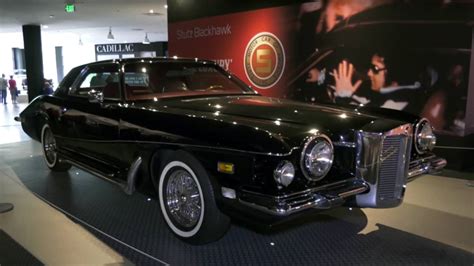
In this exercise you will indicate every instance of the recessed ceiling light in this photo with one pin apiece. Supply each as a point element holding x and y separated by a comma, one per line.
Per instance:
<point>166,6</point>
<point>51,16</point>
<point>45,26</point>
<point>151,11</point>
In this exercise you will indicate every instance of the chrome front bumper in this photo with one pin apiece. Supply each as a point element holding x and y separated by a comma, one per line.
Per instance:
<point>331,195</point>
<point>323,197</point>
<point>427,165</point>
<point>383,168</point>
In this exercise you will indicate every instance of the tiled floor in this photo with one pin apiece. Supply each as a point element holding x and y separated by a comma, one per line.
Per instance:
<point>437,212</point>
<point>10,130</point>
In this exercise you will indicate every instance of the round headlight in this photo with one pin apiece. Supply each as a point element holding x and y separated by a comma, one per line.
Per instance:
<point>425,139</point>
<point>317,157</point>
<point>284,173</point>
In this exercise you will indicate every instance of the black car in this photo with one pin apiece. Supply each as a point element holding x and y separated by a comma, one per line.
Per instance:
<point>213,148</point>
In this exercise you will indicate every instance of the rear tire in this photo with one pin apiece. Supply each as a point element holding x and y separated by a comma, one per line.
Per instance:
<point>51,156</point>
<point>187,200</point>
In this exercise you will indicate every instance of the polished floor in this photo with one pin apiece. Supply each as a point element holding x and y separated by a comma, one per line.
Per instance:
<point>76,218</point>
<point>44,232</point>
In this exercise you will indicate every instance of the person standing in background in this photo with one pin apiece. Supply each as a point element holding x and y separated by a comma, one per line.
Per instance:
<point>47,89</point>
<point>13,88</point>
<point>3,88</point>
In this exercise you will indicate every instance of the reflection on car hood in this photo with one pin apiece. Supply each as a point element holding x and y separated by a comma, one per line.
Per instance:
<point>289,119</point>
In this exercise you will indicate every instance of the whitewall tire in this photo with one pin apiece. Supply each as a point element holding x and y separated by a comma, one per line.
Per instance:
<point>187,201</point>
<point>179,166</point>
<point>50,154</point>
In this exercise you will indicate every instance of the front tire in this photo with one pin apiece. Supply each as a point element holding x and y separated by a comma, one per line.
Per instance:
<point>187,200</point>
<point>50,154</point>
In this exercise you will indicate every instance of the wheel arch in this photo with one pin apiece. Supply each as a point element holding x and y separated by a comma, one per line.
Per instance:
<point>41,119</point>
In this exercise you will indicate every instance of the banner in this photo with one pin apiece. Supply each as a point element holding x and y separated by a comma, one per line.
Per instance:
<point>253,45</point>
<point>390,54</point>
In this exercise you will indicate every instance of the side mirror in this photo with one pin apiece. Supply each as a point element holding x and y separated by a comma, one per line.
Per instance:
<point>95,96</point>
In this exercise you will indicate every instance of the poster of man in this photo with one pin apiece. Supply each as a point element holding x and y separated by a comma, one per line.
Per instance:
<point>390,54</point>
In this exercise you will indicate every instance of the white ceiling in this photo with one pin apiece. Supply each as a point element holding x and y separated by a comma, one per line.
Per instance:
<point>129,19</point>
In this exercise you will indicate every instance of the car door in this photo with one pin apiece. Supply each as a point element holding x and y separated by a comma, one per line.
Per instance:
<point>56,108</point>
<point>94,122</point>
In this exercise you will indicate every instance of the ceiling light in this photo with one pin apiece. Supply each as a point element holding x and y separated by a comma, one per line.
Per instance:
<point>166,6</point>
<point>146,40</point>
<point>51,16</point>
<point>110,36</point>
<point>45,26</point>
<point>151,11</point>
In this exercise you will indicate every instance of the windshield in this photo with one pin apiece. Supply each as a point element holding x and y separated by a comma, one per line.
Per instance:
<point>152,80</point>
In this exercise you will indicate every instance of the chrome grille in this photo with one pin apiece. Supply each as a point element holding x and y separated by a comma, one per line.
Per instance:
<point>392,168</point>
<point>382,162</point>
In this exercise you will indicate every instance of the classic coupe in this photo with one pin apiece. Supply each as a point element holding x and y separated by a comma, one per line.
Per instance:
<point>213,148</point>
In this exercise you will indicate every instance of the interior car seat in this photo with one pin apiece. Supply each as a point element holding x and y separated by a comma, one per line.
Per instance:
<point>111,90</point>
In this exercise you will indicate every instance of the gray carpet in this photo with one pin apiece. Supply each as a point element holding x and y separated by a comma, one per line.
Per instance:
<point>317,239</point>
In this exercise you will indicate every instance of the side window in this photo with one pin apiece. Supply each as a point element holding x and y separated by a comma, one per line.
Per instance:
<point>102,78</point>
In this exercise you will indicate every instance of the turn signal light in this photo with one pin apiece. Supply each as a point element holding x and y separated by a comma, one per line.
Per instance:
<point>226,168</point>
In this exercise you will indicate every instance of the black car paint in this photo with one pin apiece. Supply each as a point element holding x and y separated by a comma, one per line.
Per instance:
<point>251,131</point>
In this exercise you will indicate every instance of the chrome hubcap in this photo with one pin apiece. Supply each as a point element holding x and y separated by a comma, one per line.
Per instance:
<point>49,146</point>
<point>183,199</point>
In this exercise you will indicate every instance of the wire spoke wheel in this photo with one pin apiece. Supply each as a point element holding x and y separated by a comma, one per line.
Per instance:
<point>183,199</point>
<point>186,198</point>
<point>49,146</point>
<point>50,151</point>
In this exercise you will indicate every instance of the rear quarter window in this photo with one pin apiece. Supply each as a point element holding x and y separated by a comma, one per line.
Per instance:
<point>67,81</point>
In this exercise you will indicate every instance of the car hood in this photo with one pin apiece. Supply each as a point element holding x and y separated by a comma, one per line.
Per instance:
<point>288,121</point>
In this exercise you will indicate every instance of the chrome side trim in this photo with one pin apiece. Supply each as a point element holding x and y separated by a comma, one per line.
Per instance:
<point>184,145</point>
<point>453,147</point>
<point>93,171</point>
